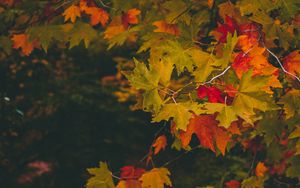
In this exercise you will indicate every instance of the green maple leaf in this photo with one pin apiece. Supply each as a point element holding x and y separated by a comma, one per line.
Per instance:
<point>207,63</point>
<point>6,44</point>
<point>227,51</point>
<point>122,37</point>
<point>204,63</point>
<point>180,112</point>
<point>147,80</point>
<point>253,182</point>
<point>81,32</point>
<point>251,6</point>
<point>272,29</point>
<point>289,8</point>
<point>142,77</point>
<point>226,113</point>
<point>250,97</point>
<point>152,101</point>
<point>47,34</point>
<point>175,8</point>
<point>178,55</point>
<point>102,177</point>
<point>270,127</point>
<point>294,168</point>
<point>291,103</point>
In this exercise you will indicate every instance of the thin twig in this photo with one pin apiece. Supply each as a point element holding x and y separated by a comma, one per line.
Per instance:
<point>217,76</point>
<point>281,65</point>
<point>106,6</point>
<point>179,156</point>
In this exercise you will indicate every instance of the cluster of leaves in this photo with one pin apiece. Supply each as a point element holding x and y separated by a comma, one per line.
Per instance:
<point>225,72</point>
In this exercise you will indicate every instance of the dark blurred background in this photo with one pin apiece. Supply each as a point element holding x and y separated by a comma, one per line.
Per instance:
<point>57,119</point>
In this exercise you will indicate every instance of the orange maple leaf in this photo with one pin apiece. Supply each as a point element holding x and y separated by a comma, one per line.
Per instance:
<point>206,129</point>
<point>159,144</point>
<point>130,17</point>
<point>114,28</point>
<point>22,41</point>
<point>260,169</point>
<point>164,27</point>
<point>98,15</point>
<point>71,13</point>
<point>292,62</point>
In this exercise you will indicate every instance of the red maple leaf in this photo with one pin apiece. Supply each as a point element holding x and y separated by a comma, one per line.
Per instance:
<point>130,17</point>
<point>241,64</point>
<point>130,172</point>
<point>213,94</point>
<point>233,184</point>
<point>228,27</point>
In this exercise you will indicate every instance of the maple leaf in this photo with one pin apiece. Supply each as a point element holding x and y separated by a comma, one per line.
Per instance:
<point>241,64</point>
<point>291,102</point>
<point>292,63</point>
<point>159,144</point>
<point>204,63</point>
<point>80,32</point>
<point>71,13</point>
<point>214,94</point>
<point>130,172</point>
<point>130,177</point>
<point>114,28</point>
<point>295,133</point>
<point>233,184</point>
<point>229,26</point>
<point>230,90</point>
<point>164,67</point>
<point>210,3</point>
<point>181,57</point>
<point>226,114</point>
<point>130,17</point>
<point>207,132</point>
<point>253,182</point>
<point>294,167</point>
<point>180,112</point>
<point>101,177</point>
<point>164,27</point>
<point>250,97</point>
<point>98,15</point>
<point>129,184</point>
<point>47,34</point>
<point>250,35</point>
<point>22,41</point>
<point>260,169</point>
<point>156,178</point>
<point>270,127</point>
<point>227,50</point>
<point>147,80</point>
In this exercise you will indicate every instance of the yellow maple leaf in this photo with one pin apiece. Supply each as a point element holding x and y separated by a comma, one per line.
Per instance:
<point>156,178</point>
<point>71,13</point>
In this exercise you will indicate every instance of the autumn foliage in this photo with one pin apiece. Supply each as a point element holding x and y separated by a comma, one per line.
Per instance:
<point>223,73</point>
